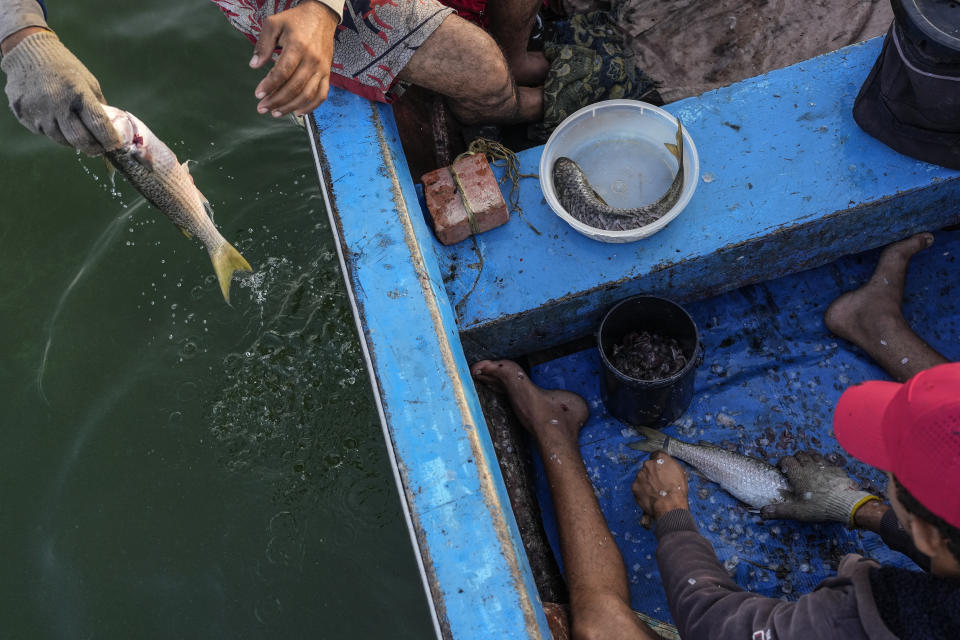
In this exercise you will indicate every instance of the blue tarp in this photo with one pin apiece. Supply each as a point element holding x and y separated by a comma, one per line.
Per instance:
<point>771,376</point>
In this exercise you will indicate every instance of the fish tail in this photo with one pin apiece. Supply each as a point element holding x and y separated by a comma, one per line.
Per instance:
<point>655,440</point>
<point>680,142</point>
<point>677,149</point>
<point>226,260</point>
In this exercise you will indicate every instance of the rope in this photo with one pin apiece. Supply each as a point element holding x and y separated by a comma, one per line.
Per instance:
<point>472,219</point>
<point>499,156</point>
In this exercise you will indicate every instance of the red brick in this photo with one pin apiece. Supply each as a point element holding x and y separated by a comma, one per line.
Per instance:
<point>449,215</point>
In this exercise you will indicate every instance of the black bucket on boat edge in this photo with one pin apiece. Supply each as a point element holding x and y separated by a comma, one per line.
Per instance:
<point>650,403</point>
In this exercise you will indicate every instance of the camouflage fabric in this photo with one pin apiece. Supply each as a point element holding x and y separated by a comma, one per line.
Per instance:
<point>663,629</point>
<point>588,63</point>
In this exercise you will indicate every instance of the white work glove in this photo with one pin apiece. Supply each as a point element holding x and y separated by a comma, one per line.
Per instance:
<point>52,93</point>
<point>822,492</point>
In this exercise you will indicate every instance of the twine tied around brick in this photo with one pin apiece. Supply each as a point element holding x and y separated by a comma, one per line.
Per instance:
<point>472,219</point>
<point>499,156</point>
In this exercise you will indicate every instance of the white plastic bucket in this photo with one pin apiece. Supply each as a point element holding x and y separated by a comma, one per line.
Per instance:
<point>619,146</point>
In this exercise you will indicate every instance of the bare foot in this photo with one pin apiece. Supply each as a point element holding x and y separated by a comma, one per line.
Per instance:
<point>529,69</point>
<point>859,314</point>
<point>546,413</point>
<point>870,317</point>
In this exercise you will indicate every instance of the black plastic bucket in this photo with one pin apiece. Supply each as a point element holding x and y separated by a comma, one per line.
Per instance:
<point>651,403</point>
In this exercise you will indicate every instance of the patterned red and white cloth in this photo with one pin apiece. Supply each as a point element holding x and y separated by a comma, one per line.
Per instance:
<point>374,41</point>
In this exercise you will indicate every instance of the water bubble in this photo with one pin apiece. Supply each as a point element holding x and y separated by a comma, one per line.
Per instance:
<point>189,350</point>
<point>187,391</point>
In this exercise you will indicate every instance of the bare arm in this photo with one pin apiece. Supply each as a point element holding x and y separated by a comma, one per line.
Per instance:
<point>881,519</point>
<point>870,515</point>
<point>14,38</point>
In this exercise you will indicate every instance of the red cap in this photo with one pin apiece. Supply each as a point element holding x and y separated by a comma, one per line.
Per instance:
<point>911,430</point>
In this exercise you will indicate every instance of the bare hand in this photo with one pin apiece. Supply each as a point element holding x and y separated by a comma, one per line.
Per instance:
<point>300,78</point>
<point>660,486</point>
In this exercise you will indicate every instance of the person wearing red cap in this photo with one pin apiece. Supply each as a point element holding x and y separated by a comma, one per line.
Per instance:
<point>910,430</point>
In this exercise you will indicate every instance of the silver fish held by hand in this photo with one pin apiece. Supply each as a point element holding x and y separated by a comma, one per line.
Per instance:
<point>583,203</point>
<point>154,170</point>
<point>746,478</point>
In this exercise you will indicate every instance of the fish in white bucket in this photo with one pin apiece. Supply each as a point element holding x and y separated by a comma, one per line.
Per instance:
<point>582,202</point>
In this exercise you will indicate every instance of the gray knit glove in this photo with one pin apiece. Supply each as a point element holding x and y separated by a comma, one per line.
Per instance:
<point>52,93</point>
<point>822,492</point>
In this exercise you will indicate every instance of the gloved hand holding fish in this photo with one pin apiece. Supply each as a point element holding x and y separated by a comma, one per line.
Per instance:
<point>582,202</point>
<point>809,488</point>
<point>156,173</point>
<point>822,492</point>
<point>52,93</point>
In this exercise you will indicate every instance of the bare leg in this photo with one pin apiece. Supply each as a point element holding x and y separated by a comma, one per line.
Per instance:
<point>511,22</point>
<point>463,62</point>
<point>596,577</point>
<point>870,317</point>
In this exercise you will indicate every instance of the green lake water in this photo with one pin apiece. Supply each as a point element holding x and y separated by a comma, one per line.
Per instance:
<point>173,467</point>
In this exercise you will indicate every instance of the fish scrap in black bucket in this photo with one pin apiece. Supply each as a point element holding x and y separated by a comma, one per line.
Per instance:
<point>644,355</point>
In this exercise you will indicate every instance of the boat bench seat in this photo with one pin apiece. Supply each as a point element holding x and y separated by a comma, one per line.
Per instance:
<point>788,182</point>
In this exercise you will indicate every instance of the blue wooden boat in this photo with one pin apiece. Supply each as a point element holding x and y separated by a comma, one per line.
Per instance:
<point>791,193</point>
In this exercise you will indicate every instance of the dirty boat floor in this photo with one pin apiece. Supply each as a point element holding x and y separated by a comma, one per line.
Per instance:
<point>771,375</point>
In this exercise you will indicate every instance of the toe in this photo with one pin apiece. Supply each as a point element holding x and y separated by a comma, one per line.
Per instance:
<point>479,368</point>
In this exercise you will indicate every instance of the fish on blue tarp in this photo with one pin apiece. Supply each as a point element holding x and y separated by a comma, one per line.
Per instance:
<point>748,479</point>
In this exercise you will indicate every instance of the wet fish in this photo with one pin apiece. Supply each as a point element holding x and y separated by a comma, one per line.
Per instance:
<point>154,170</point>
<point>583,203</point>
<point>746,478</point>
